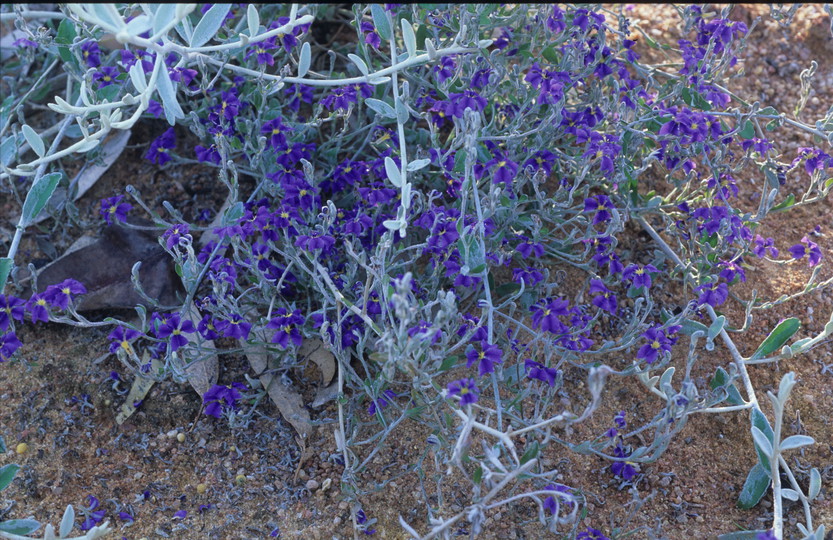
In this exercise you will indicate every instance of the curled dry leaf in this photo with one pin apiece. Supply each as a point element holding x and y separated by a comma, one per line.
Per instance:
<point>140,388</point>
<point>108,280</point>
<point>289,401</point>
<point>202,373</point>
<point>315,350</point>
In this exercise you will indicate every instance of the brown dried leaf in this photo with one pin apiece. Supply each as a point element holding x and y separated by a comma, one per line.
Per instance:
<point>315,350</point>
<point>104,267</point>
<point>289,401</point>
<point>140,388</point>
<point>202,374</point>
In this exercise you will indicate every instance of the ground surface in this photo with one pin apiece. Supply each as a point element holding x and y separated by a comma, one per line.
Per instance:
<point>75,450</point>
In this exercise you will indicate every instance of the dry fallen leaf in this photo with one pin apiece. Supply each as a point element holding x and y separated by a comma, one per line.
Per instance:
<point>202,374</point>
<point>140,388</point>
<point>315,350</point>
<point>289,401</point>
<point>108,280</point>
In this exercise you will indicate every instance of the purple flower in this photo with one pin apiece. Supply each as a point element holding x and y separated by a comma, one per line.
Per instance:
<point>121,337</point>
<point>659,341</point>
<point>543,160</point>
<point>11,307</point>
<point>219,398</point>
<point>159,148</point>
<point>91,54</point>
<point>762,246</point>
<point>235,327</point>
<point>536,370</point>
<point>546,316</point>
<point>468,99</point>
<point>286,325</point>
<point>155,108</point>
<point>504,170</point>
<point>623,469</point>
<point>37,307</point>
<point>553,504</point>
<point>364,523</point>
<point>206,328</point>
<point>382,402</point>
<point>23,43</point>
<point>340,98</point>
<point>466,389</point>
<point>371,37</point>
<point>714,293</point>
<point>424,330</point>
<point>444,70</point>
<point>128,58</point>
<point>93,516</point>
<point>113,207</point>
<point>171,325</point>
<point>766,535</point>
<point>275,131</point>
<point>486,358</point>
<point>604,299</point>
<point>181,514</point>
<point>601,205</point>
<point>726,186</point>
<point>60,295</point>
<point>814,160</point>
<point>208,155</point>
<point>807,247</point>
<point>262,51</point>
<point>172,235</point>
<point>529,276</point>
<point>124,516</point>
<point>8,345</point>
<point>315,241</point>
<point>591,534</point>
<point>106,76</point>
<point>640,276</point>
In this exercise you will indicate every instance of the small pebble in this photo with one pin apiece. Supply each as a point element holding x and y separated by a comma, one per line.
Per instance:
<point>22,448</point>
<point>202,488</point>
<point>180,437</point>
<point>312,485</point>
<point>171,434</point>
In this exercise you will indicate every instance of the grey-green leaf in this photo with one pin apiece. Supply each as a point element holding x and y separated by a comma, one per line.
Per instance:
<point>304,59</point>
<point>409,37</point>
<point>773,342</point>
<point>168,95</point>
<point>761,440</point>
<point>815,484</point>
<point>380,21</point>
<point>381,107</point>
<point>67,522</point>
<point>796,441</point>
<point>394,175</point>
<point>5,270</point>
<point>417,164</point>
<point>209,24</point>
<point>754,488</point>
<point>716,327</point>
<point>19,526</point>
<point>359,63</point>
<point>164,14</point>
<point>8,148</point>
<point>760,421</point>
<point>253,20</point>
<point>34,140</point>
<point>38,196</point>
<point>7,473</point>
